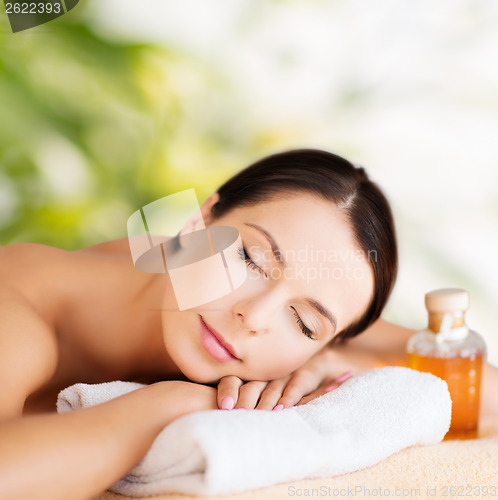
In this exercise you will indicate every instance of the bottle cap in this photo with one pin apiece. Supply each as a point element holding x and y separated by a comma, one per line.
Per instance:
<point>447,300</point>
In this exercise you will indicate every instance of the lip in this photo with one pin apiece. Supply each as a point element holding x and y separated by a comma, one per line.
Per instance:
<point>215,344</point>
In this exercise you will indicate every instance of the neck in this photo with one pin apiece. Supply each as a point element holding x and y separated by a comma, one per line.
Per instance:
<point>151,361</point>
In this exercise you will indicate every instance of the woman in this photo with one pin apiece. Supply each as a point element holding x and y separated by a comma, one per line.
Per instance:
<point>89,316</point>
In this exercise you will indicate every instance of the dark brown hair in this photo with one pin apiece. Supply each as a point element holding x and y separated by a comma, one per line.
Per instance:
<point>335,179</point>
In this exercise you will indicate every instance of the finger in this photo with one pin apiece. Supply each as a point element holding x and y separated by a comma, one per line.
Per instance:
<point>272,393</point>
<point>228,392</point>
<point>335,382</point>
<point>302,382</point>
<point>249,394</point>
<point>329,386</point>
<point>344,377</point>
<point>315,394</point>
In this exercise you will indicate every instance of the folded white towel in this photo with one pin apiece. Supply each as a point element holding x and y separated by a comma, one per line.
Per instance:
<point>366,419</point>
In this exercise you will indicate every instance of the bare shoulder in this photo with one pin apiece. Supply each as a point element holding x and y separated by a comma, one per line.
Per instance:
<point>19,256</point>
<point>383,339</point>
<point>48,276</point>
<point>489,394</point>
<point>385,330</point>
<point>28,344</point>
<point>23,252</point>
<point>118,247</point>
<point>54,314</point>
<point>33,270</point>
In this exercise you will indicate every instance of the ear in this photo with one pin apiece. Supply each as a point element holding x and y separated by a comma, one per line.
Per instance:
<point>200,219</point>
<point>209,202</point>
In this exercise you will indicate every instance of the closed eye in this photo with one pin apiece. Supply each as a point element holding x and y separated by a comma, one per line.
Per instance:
<point>302,326</point>
<point>251,264</point>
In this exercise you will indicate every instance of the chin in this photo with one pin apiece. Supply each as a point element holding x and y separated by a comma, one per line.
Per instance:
<point>205,380</point>
<point>200,379</point>
<point>197,373</point>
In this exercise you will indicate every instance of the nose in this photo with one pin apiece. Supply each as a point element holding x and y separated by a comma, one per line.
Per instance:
<point>248,323</point>
<point>256,314</point>
<point>252,322</point>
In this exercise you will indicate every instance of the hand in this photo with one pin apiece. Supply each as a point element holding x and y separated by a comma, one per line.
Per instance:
<point>328,386</point>
<point>181,398</point>
<point>320,374</point>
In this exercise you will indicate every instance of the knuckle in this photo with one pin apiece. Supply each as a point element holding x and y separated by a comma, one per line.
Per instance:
<point>279,382</point>
<point>253,386</point>
<point>292,388</point>
<point>271,392</point>
<point>228,382</point>
<point>304,373</point>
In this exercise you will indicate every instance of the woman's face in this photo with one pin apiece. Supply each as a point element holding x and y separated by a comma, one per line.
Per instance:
<point>287,309</point>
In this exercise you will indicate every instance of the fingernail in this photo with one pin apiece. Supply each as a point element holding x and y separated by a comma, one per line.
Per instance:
<point>331,387</point>
<point>344,377</point>
<point>279,407</point>
<point>227,403</point>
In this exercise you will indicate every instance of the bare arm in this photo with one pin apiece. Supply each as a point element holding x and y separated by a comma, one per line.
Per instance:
<point>80,454</point>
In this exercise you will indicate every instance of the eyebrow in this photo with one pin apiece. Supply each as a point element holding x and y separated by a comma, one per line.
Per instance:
<point>277,253</point>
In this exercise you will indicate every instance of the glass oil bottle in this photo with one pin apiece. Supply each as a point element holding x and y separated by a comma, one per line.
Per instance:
<point>453,352</point>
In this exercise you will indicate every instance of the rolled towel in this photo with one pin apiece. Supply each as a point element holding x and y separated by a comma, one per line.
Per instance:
<point>366,419</point>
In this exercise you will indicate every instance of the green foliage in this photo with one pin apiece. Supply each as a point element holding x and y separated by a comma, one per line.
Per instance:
<point>91,129</point>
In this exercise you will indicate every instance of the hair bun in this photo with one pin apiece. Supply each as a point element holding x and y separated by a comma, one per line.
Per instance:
<point>361,174</point>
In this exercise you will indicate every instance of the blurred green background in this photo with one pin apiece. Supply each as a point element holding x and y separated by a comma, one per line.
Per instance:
<point>121,102</point>
<point>92,128</point>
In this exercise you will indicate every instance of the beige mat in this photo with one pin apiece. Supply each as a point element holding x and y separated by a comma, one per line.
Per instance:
<point>451,469</point>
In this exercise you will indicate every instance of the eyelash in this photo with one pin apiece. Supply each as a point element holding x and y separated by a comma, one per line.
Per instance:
<point>250,263</point>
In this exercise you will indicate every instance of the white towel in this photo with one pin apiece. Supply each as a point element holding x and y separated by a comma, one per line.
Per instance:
<point>366,419</point>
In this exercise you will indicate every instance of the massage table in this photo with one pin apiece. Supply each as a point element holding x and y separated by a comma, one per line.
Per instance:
<point>450,469</point>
